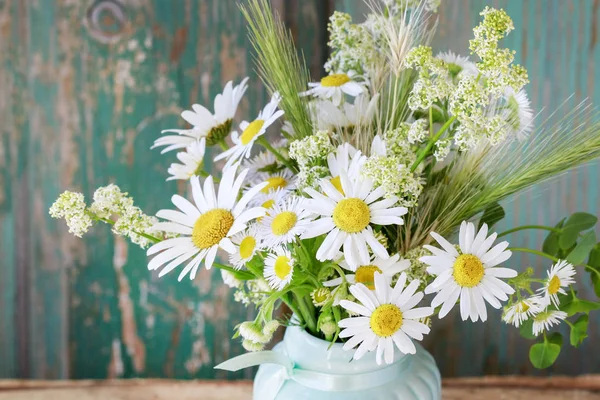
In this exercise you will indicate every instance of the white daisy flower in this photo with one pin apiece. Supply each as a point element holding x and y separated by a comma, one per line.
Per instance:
<point>547,319</point>
<point>560,276</point>
<point>458,64</point>
<point>247,244</point>
<point>519,113</point>
<point>283,180</point>
<point>330,116</point>
<point>268,200</point>
<point>365,273</point>
<point>192,161</point>
<point>205,226</point>
<point>279,268</point>
<point>251,131</point>
<point>347,217</point>
<point>212,127</point>
<point>387,318</point>
<point>334,87</point>
<point>345,158</point>
<point>470,274</point>
<point>523,309</point>
<point>263,163</point>
<point>284,222</point>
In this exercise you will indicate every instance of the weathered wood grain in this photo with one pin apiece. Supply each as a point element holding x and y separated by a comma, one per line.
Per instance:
<point>86,88</point>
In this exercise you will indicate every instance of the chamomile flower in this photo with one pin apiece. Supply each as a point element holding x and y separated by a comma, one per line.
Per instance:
<point>283,180</point>
<point>279,268</point>
<point>284,222</point>
<point>263,163</point>
<point>359,113</point>
<point>470,274</point>
<point>214,127</point>
<point>458,64</point>
<point>560,276</point>
<point>365,273</point>
<point>523,309</point>
<point>547,319</point>
<point>268,200</point>
<point>518,113</point>
<point>192,160</point>
<point>251,131</point>
<point>345,158</point>
<point>387,317</point>
<point>205,226</point>
<point>347,217</point>
<point>334,87</point>
<point>247,243</point>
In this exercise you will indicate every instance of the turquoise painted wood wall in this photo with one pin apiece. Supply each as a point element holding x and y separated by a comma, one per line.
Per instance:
<point>85,87</point>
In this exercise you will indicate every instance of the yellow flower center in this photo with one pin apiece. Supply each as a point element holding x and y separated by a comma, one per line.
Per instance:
<point>386,320</point>
<point>268,204</point>
<point>522,307</point>
<point>335,80</point>
<point>468,270</point>
<point>366,275</point>
<point>283,222</point>
<point>337,183</point>
<point>321,295</point>
<point>247,246</point>
<point>251,131</point>
<point>274,183</point>
<point>351,215</point>
<point>211,227</point>
<point>554,285</point>
<point>282,267</point>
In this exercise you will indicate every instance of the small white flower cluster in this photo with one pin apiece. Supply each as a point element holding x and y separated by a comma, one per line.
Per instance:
<point>352,45</point>
<point>418,269</point>
<point>395,177</point>
<point>110,201</point>
<point>71,206</point>
<point>311,154</point>
<point>256,336</point>
<point>434,82</point>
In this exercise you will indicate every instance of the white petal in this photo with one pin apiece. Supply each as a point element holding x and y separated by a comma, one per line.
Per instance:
<point>365,296</point>
<point>501,272</point>
<point>210,257</point>
<point>176,216</point>
<point>165,244</point>
<point>382,287</point>
<point>227,245</point>
<point>354,321</point>
<point>185,206</point>
<point>173,227</point>
<point>413,301</point>
<point>479,304</point>
<point>445,244</point>
<point>374,244</point>
<point>389,350</point>
<point>465,303</point>
<point>450,302</point>
<point>355,308</point>
<point>177,262</point>
<point>319,227</point>
<point>404,344</point>
<point>418,313</point>
<point>494,252</point>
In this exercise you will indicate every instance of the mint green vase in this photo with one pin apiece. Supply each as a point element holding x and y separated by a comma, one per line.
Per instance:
<point>321,372</point>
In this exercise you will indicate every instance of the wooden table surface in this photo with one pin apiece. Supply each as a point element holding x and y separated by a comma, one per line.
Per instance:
<point>488,388</point>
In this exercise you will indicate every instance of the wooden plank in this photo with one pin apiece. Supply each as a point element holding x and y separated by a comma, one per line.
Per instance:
<point>492,388</point>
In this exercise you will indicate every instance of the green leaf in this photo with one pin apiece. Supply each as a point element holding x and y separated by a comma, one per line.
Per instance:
<point>526,329</point>
<point>584,247</point>
<point>542,355</point>
<point>572,305</point>
<point>594,262</point>
<point>576,223</point>
<point>579,330</point>
<point>550,245</point>
<point>492,214</point>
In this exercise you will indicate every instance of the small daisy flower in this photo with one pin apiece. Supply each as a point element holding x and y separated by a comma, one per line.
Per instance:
<point>523,309</point>
<point>470,274</point>
<point>547,319</point>
<point>212,127</point>
<point>284,222</point>
<point>205,226</point>
<point>560,276</point>
<point>251,131</point>
<point>263,163</point>
<point>246,244</point>
<point>279,268</point>
<point>518,113</point>
<point>387,317</point>
<point>361,113</point>
<point>458,64</point>
<point>345,158</point>
<point>347,217</point>
<point>283,180</point>
<point>365,273</point>
<point>320,296</point>
<point>334,87</point>
<point>192,161</point>
<point>268,200</point>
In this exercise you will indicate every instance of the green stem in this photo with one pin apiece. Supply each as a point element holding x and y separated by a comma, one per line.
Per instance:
<point>307,316</point>
<point>430,144</point>
<point>111,222</point>
<point>265,143</point>
<point>223,145</point>
<point>291,305</point>
<point>520,228</point>
<point>242,275</point>
<point>536,252</point>
<point>431,121</point>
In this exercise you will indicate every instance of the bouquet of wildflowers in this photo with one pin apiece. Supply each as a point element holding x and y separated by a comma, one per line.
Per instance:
<point>365,202</point>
